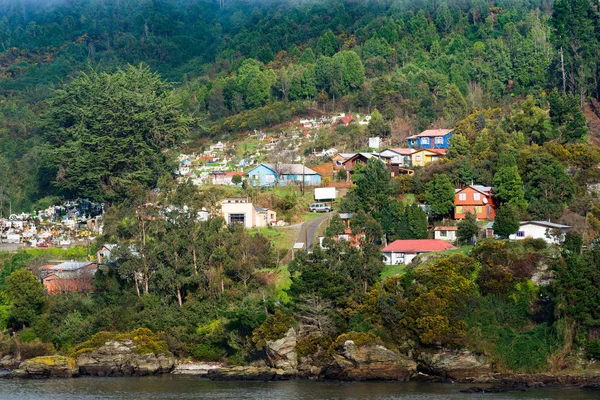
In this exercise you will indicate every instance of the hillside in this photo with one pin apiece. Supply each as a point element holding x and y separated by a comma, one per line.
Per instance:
<point>253,64</point>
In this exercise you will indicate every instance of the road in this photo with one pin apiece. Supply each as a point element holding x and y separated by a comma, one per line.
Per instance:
<point>309,230</point>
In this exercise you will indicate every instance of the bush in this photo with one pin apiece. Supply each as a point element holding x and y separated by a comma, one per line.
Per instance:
<point>27,335</point>
<point>534,244</point>
<point>36,348</point>
<point>208,352</point>
<point>592,350</point>
<point>359,339</point>
<point>309,346</point>
<point>273,328</point>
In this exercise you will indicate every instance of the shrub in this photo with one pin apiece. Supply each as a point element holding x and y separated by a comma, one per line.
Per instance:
<point>534,244</point>
<point>592,350</point>
<point>359,339</point>
<point>310,346</point>
<point>207,352</point>
<point>273,328</point>
<point>35,348</point>
<point>27,335</point>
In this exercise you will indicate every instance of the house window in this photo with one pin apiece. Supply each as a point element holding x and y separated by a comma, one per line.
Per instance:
<point>476,196</point>
<point>400,255</point>
<point>424,141</point>
<point>418,158</point>
<point>237,218</point>
<point>459,209</point>
<point>269,178</point>
<point>521,234</point>
<point>439,140</point>
<point>462,196</point>
<point>478,210</point>
<point>443,233</point>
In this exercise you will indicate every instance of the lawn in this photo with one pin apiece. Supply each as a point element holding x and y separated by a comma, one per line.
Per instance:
<point>392,270</point>
<point>282,238</point>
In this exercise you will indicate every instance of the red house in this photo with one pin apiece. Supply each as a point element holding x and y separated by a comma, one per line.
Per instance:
<point>475,199</point>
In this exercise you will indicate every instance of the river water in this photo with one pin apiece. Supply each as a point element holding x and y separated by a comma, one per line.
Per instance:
<point>181,387</point>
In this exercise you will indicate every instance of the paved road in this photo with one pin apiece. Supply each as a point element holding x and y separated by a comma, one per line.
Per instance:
<point>309,230</point>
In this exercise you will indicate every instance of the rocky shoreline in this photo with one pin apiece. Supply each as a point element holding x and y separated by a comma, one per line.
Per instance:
<point>351,361</point>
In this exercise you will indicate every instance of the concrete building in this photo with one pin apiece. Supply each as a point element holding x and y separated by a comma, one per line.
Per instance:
<point>241,210</point>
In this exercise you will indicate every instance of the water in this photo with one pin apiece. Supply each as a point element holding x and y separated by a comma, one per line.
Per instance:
<point>182,387</point>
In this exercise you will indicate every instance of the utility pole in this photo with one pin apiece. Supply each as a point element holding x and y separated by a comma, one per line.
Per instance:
<point>303,161</point>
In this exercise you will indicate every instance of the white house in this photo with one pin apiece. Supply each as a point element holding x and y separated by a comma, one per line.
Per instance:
<point>403,251</point>
<point>540,230</point>
<point>447,233</point>
<point>240,210</point>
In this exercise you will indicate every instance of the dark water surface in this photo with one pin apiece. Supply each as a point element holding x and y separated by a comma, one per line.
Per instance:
<point>188,387</point>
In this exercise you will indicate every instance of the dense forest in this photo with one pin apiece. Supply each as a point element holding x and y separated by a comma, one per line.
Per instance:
<point>246,65</point>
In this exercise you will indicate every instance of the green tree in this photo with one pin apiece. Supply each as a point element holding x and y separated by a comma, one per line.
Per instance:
<point>506,221</point>
<point>567,117</point>
<point>308,56</point>
<point>327,45</point>
<point>353,72</point>
<point>373,187</point>
<point>236,179</point>
<point>417,222</point>
<point>508,186</point>
<point>26,296</point>
<point>459,146</point>
<point>439,195</point>
<point>258,91</point>
<point>548,187</point>
<point>107,131</point>
<point>574,36</point>
<point>467,228</point>
<point>456,107</point>
<point>443,18</point>
<point>378,126</point>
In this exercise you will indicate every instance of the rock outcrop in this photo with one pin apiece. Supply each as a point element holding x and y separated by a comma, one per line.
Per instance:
<point>281,353</point>
<point>249,374</point>
<point>453,365</point>
<point>120,358</point>
<point>370,361</point>
<point>47,367</point>
<point>9,363</point>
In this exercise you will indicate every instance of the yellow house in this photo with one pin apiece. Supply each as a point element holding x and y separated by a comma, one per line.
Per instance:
<point>420,158</point>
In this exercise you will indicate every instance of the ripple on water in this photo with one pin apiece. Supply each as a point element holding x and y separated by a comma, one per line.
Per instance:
<point>181,387</point>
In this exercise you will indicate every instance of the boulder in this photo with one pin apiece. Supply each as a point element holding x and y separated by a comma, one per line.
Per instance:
<point>47,367</point>
<point>453,365</point>
<point>369,361</point>
<point>249,373</point>
<point>120,358</point>
<point>9,363</point>
<point>281,353</point>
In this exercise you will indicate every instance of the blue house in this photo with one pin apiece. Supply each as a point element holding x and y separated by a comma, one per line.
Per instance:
<point>431,139</point>
<point>282,174</point>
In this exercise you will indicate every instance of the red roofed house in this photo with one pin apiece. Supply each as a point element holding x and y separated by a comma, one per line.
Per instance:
<point>475,199</point>
<point>347,119</point>
<point>224,178</point>
<point>403,251</point>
